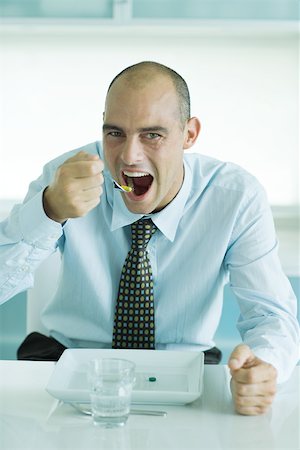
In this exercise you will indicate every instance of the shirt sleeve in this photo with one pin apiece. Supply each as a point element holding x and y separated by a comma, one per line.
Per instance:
<point>27,237</point>
<point>267,321</point>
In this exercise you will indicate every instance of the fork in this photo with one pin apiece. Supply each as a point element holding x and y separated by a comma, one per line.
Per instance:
<point>84,409</point>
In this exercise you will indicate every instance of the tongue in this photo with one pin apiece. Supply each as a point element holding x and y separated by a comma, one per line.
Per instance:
<point>142,181</point>
<point>141,184</point>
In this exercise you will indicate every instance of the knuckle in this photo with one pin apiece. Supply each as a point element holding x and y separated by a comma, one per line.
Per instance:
<point>258,409</point>
<point>242,389</point>
<point>99,178</point>
<point>273,371</point>
<point>68,188</point>
<point>88,169</point>
<point>268,400</point>
<point>63,170</point>
<point>79,154</point>
<point>95,167</point>
<point>241,401</point>
<point>262,409</point>
<point>245,411</point>
<point>69,192</point>
<point>251,378</point>
<point>272,390</point>
<point>76,208</point>
<point>96,193</point>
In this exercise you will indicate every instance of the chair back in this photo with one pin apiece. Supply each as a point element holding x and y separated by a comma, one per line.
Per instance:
<point>45,285</point>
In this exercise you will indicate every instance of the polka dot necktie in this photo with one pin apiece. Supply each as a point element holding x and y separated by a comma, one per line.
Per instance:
<point>134,317</point>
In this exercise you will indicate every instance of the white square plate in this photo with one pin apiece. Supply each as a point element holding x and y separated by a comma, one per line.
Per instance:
<point>179,375</point>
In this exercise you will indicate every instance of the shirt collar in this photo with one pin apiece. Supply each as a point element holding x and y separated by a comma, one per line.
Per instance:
<point>166,220</point>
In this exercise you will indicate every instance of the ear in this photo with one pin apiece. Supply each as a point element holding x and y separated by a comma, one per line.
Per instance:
<point>191,132</point>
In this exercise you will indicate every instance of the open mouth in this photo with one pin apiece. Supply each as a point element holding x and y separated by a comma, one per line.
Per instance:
<point>140,182</point>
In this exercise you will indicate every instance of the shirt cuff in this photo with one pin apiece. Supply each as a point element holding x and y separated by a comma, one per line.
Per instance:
<point>284,369</point>
<point>36,227</point>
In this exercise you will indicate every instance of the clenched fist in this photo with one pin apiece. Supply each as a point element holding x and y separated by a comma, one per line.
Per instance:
<point>76,188</point>
<point>253,382</point>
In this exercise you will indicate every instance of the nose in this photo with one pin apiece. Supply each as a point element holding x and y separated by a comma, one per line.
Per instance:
<point>132,152</point>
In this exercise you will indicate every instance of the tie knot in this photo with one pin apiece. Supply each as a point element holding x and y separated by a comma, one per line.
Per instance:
<point>141,231</point>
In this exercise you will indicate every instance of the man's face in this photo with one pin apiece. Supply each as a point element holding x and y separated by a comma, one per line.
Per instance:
<point>143,140</point>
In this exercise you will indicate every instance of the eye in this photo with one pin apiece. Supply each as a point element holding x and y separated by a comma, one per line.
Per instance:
<point>114,133</point>
<point>152,135</point>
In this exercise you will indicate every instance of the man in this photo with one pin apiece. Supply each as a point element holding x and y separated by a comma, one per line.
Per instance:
<point>211,222</point>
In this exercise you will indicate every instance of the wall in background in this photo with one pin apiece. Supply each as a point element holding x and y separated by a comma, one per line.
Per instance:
<point>131,10</point>
<point>243,86</point>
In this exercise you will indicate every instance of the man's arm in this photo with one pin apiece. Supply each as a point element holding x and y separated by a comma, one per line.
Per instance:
<point>32,231</point>
<point>267,323</point>
<point>253,383</point>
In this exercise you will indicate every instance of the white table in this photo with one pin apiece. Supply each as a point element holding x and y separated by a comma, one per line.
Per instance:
<point>31,419</point>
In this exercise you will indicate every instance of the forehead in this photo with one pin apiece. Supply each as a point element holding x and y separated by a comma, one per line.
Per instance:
<point>142,101</point>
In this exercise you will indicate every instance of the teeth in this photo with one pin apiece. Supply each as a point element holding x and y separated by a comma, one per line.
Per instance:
<point>135,174</point>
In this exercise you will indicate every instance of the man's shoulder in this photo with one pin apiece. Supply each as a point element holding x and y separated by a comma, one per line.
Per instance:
<point>220,174</point>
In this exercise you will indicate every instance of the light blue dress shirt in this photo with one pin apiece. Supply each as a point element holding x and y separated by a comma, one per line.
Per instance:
<point>218,229</point>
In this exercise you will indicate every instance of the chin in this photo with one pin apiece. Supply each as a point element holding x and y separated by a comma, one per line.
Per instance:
<point>140,209</point>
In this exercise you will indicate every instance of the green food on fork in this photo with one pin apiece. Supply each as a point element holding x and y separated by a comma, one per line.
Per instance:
<point>122,187</point>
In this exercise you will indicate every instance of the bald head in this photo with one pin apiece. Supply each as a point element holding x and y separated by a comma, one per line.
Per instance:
<point>140,75</point>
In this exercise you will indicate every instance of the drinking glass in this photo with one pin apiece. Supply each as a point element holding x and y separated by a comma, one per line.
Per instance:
<point>111,381</point>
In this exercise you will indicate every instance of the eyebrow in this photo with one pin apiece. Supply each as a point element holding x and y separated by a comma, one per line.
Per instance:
<point>108,126</point>
<point>152,129</point>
